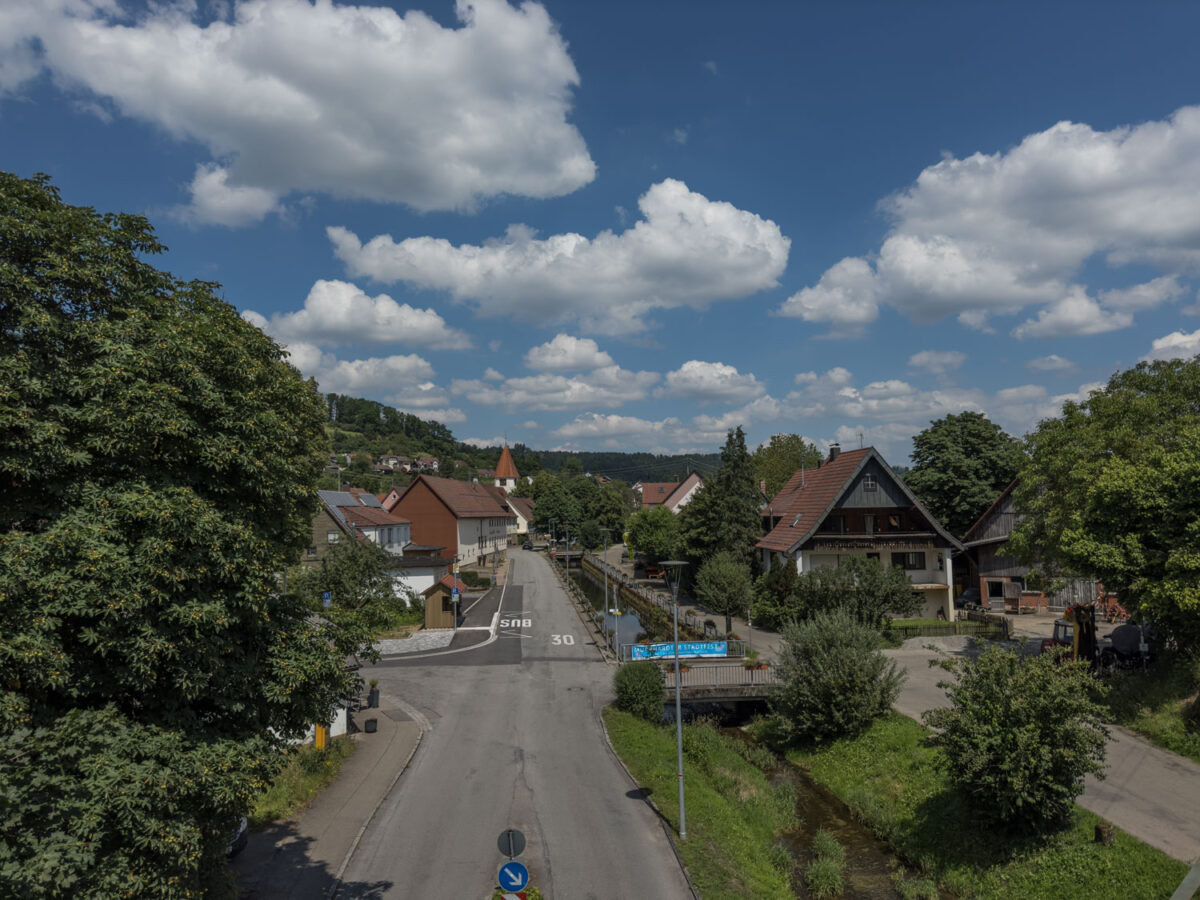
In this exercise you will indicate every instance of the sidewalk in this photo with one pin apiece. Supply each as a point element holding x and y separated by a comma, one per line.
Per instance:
<point>305,857</point>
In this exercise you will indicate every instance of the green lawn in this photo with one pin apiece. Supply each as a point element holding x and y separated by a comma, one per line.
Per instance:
<point>1155,703</point>
<point>892,782</point>
<point>307,772</point>
<point>733,813</point>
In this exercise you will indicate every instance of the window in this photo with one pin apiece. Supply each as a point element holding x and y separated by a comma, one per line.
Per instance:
<point>869,483</point>
<point>312,551</point>
<point>869,524</point>
<point>874,556</point>
<point>911,560</point>
<point>332,537</point>
<point>834,525</point>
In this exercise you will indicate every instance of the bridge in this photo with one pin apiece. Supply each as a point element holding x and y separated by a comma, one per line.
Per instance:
<point>718,682</point>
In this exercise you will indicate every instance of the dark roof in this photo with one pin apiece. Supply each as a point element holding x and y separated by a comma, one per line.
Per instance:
<point>369,517</point>
<point>802,504</point>
<point>466,499</point>
<point>966,538</point>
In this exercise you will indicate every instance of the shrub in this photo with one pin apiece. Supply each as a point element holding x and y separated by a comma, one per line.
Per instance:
<point>832,678</point>
<point>823,876</point>
<point>1020,736</point>
<point>639,688</point>
<point>826,846</point>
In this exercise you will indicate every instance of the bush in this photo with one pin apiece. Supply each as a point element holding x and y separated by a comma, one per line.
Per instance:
<point>823,878</point>
<point>826,846</point>
<point>832,678</point>
<point>639,687</point>
<point>1020,736</point>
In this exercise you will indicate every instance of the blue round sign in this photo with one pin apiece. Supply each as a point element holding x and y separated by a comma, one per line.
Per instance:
<point>513,876</point>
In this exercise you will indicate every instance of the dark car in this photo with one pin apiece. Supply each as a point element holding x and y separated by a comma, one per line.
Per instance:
<point>239,838</point>
<point>528,545</point>
<point>968,599</point>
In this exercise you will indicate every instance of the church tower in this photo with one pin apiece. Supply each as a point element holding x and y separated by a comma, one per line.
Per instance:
<point>506,471</point>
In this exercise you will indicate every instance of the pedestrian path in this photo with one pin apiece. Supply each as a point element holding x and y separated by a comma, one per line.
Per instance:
<point>305,857</point>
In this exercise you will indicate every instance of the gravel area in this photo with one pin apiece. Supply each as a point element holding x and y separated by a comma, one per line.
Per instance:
<point>416,643</point>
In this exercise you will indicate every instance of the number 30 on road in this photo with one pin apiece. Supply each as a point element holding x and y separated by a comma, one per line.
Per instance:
<point>567,639</point>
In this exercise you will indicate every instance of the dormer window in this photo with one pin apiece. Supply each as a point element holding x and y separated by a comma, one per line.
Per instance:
<point>869,483</point>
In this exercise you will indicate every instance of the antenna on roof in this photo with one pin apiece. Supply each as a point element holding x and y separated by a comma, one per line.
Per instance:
<point>860,440</point>
<point>801,473</point>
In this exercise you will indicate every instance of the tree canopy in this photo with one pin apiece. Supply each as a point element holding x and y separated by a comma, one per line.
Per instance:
<point>724,586</point>
<point>961,463</point>
<point>158,457</point>
<point>655,532</point>
<point>1112,490</point>
<point>725,514</point>
<point>782,457</point>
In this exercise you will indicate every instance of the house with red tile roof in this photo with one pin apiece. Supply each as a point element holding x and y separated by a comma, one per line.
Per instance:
<point>469,519</point>
<point>854,505</point>
<point>674,495</point>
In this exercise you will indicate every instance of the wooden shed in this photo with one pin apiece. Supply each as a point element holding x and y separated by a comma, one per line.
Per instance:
<point>439,605</point>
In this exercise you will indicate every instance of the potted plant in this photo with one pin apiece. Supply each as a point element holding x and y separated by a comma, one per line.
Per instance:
<point>373,694</point>
<point>751,659</point>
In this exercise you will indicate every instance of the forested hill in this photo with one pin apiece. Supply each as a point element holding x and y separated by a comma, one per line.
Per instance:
<point>367,427</point>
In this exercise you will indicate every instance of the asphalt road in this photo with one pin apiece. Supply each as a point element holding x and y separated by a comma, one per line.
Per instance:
<point>514,741</point>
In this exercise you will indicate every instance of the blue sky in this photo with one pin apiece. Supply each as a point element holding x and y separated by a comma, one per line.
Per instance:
<point>633,226</point>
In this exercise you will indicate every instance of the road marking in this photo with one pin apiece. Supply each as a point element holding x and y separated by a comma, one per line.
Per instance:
<point>562,639</point>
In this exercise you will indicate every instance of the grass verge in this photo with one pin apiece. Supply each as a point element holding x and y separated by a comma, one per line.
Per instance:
<point>733,813</point>
<point>891,781</point>
<point>307,772</point>
<point>1156,703</point>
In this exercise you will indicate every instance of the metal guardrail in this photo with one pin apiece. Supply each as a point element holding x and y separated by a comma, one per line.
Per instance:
<point>720,675</point>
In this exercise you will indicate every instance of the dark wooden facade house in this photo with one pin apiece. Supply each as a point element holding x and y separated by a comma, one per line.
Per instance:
<point>854,505</point>
<point>1001,579</point>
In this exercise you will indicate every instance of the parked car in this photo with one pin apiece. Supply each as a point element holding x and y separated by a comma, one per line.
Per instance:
<point>241,836</point>
<point>968,599</point>
<point>528,545</point>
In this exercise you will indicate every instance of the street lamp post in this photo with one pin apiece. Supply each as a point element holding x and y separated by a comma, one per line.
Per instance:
<point>676,566</point>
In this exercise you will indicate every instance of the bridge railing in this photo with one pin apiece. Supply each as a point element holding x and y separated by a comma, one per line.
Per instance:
<point>719,675</point>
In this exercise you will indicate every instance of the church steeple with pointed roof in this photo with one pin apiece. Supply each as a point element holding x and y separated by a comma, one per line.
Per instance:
<point>506,471</point>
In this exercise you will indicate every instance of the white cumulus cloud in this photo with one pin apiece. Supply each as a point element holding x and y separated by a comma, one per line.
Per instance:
<point>1051,363</point>
<point>937,361</point>
<point>608,386</point>
<point>337,312</point>
<point>354,101</point>
<point>1176,345</point>
<point>565,354</point>
<point>687,250</point>
<point>992,234</point>
<point>711,382</point>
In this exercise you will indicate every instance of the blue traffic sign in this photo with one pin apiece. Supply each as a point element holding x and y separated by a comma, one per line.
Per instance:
<point>513,876</point>
<point>327,599</point>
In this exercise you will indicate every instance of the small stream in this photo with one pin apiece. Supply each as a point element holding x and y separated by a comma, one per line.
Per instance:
<point>869,862</point>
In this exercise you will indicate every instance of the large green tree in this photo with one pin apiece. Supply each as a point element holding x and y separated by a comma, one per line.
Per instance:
<point>725,514</point>
<point>655,532</point>
<point>724,586</point>
<point>961,463</point>
<point>158,457</point>
<point>782,457</point>
<point>1112,490</point>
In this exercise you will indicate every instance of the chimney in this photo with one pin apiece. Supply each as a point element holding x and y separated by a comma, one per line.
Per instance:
<point>834,450</point>
<point>762,487</point>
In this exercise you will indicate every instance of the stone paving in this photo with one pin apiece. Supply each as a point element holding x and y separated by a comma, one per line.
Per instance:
<point>416,643</point>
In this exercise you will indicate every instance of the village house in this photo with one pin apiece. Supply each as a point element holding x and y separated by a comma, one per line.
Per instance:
<point>674,495</point>
<point>854,505</point>
<point>469,519</point>
<point>1002,580</point>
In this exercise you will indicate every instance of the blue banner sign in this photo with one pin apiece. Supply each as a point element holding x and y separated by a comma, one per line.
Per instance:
<point>688,649</point>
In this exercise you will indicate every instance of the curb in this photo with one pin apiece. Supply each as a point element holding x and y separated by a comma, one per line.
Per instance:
<point>662,820</point>
<point>337,879</point>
